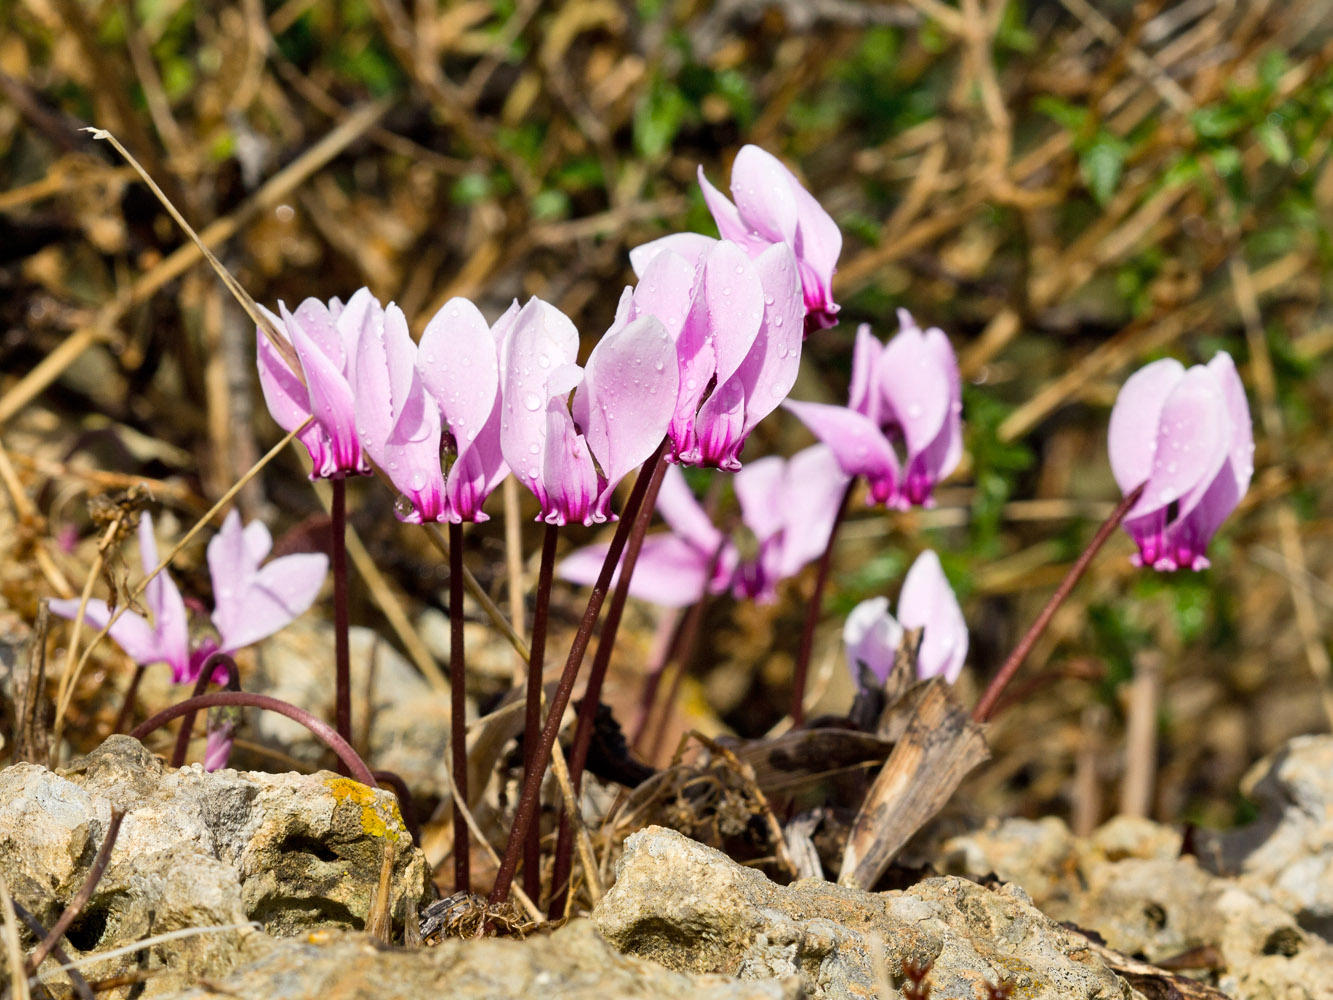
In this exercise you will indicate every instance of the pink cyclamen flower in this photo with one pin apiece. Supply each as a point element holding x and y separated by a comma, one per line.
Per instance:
<point>410,400</point>
<point>1187,434</point>
<point>325,339</point>
<point>788,507</point>
<point>622,403</point>
<point>771,207</point>
<point>736,325</point>
<point>871,634</point>
<point>904,393</point>
<point>252,601</point>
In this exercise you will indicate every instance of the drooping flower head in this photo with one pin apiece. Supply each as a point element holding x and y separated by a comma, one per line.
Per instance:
<point>787,506</point>
<point>1187,434</point>
<point>410,400</point>
<point>251,601</point>
<point>771,207</point>
<point>572,456</point>
<point>906,395</point>
<point>736,325</point>
<point>324,338</point>
<point>871,634</point>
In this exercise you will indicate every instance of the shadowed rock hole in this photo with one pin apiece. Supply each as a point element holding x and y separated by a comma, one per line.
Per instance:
<point>1284,941</point>
<point>88,929</point>
<point>317,849</point>
<point>1156,915</point>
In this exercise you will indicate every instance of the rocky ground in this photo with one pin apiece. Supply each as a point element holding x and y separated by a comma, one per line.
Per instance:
<point>277,875</point>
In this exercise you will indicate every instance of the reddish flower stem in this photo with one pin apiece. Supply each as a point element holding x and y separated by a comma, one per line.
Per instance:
<point>342,706</point>
<point>592,695</point>
<point>201,682</point>
<point>532,718</point>
<point>812,613</point>
<point>986,706</point>
<point>532,781</point>
<point>458,710</point>
<point>326,733</point>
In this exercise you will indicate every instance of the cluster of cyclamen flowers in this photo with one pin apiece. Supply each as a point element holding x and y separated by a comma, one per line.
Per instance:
<point>706,345</point>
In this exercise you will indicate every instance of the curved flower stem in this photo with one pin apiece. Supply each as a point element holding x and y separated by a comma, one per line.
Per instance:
<point>532,781</point>
<point>325,733</point>
<point>812,613</point>
<point>592,695</point>
<point>201,682</point>
<point>986,706</point>
<point>342,711</point>
<point>532,719</point>
<point>458,709</point>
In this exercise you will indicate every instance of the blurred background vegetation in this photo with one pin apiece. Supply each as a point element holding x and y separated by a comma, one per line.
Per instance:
<point>1069,189</point>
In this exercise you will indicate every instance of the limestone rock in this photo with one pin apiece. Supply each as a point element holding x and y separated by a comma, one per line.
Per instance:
<point>1286,855</point>
<point>289,851</point>
<point>572,964</point>
<point>1128,883</point>
<point>692,909</point>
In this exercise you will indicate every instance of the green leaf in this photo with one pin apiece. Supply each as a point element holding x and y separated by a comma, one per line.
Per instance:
<point>1101,165</point>
<point>1068,116</point>
<point>658,117</point>
<point>1274,140</point>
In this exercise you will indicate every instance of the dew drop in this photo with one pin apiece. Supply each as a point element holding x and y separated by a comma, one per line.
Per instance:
<point>777,320</point>
<point>659,366</point>
<point>544,361</point>
<point>402,506</point>
<point>534,448</point>
<point>532,401</point>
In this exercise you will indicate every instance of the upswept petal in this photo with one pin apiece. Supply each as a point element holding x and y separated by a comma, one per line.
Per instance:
<point>870,636</point>
<point>131,631</point>
<point>692,246</point>
<point>460,367</point>
<point>665,291</point>
<point>231,566</point>
<point>331,400</point>
<point>759,491</point>
<point>770,368</point>
<point>721,327</point>
<point>258,542</point>
<point>818,244</point>
<point>1192,440</point>
<point>1132,431</point>
<point>811,494</point>
<point>361,313</point>
<point>271,599</point>
<point>941,456</point>
<point>730,225</point>
<point>864,395</point>
<point>915,391</point>
<point>860,447</point>
<point>1186,540</point>
<point>682,512</point>
<point>542,340</point>
<point>399,422</point>
<point>627,397</point>
<point>570,478</point>
<point>719,428</point>
<point>928,602</point>
<point>171,622</point>
<point>765,200</point>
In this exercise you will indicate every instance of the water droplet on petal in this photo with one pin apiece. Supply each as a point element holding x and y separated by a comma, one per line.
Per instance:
<point>534,448</point>
<point>532,401</point>
<point>402,506</point>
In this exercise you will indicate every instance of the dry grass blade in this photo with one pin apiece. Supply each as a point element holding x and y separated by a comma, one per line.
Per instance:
<point>76,979</point>
<point>31,738</point>
<point>18,982</point>
<point>379,922</point>
<point>939,748</point>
